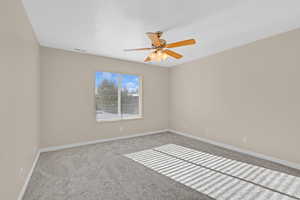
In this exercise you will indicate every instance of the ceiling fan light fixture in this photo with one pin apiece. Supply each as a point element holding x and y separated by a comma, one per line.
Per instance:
<point>164,56</point>
<point>158,55</point>
<point>153,56</point>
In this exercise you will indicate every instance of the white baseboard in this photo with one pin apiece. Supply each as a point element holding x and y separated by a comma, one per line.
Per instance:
<point>56,148</point>
<point>29,176</point>
<point>231,147</point>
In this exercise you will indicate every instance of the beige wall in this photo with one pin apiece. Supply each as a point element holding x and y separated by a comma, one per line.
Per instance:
<point>248,97</point>
<point>19,99</point>
<point>67,98</point>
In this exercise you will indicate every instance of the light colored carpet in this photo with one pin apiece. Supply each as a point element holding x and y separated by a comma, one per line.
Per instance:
<point>100,171</point>
<point>218,177</point>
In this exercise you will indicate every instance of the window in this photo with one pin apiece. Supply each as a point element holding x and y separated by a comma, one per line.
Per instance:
<point>118,96</point>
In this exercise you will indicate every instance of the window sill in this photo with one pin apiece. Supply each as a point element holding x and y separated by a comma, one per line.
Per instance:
<point>119,120</point>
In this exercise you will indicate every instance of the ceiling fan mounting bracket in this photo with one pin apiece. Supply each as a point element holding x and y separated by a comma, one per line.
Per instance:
<point>159,33</point>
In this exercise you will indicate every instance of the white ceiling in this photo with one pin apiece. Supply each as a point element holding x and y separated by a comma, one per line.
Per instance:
<point>106,27</point>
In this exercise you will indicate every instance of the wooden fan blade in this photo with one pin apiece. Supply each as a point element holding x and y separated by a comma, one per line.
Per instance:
<point>154,39</point>
<point>173,54</point>
<point>181,43</point>
<point>140,49</point>
<point>147,59</point>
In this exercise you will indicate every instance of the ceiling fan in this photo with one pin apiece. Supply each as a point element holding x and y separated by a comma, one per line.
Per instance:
<point>159,46</point>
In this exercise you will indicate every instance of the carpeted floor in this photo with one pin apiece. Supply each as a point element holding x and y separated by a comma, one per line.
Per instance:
<point>100,171</point>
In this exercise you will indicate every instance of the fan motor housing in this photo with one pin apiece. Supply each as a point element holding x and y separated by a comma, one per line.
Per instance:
<point>162,42</point>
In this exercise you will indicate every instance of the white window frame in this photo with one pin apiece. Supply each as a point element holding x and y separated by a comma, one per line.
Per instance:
<point>120,118</point>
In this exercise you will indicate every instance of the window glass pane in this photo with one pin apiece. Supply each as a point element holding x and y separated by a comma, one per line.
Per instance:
<point>130,96</point>
<point>107,95</point>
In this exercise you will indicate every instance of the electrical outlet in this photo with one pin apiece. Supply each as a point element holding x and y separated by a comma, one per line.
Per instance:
<point>245,139</point>
<point>35,150</point>
<point>21,172</point>
<point>206,132</point>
